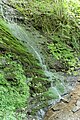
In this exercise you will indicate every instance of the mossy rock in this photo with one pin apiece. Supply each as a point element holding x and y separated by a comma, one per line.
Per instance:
<point>17,66</point>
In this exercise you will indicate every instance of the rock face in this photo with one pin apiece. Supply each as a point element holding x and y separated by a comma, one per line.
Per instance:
<point>18,67</point>
<point>9,12</point>
<point>66,111</point>
<point>13,46</point>
<point>24,56</point>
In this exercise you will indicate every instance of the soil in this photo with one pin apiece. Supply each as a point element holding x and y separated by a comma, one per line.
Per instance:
<point>68,108</point>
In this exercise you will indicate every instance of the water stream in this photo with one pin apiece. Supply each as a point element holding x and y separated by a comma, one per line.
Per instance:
<point>21,34</point>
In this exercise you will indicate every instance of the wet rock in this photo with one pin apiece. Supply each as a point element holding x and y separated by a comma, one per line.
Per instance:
<point>66,111</point>
<point>78,80</point>
<point>78,103</point>
<point>77,107</point>
<point>65,100</point>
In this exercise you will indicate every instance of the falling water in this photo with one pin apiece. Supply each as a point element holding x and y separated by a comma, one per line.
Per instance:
<point>57,93</point>
<point>22,35</point>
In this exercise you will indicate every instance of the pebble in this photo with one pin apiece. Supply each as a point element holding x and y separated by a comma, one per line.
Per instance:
<point>76,107</point>
<point>65,100</point>
<point>78,80</point>
<point>78,103</point>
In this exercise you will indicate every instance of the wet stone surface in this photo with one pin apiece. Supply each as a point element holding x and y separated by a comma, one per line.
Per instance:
<point>66,110</point>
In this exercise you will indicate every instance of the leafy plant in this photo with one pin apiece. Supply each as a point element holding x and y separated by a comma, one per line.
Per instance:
<point>57,20</point>
<point>63,53</point>
<point>14,92</point>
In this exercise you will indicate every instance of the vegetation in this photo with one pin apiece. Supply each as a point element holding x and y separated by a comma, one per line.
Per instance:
<point>59,21</point>
<point>21,77</point>
<point>14,92</point>
<point>23,83</point>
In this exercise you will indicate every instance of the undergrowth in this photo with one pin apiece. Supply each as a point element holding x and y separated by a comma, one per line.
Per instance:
<point>14,92</point>
<point>57,20</point>
<point>21,76</point>
<point>22,79</point>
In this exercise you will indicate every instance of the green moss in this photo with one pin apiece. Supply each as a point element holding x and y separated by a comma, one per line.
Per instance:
<point>14,92</point>
<point>20,74</point>
<point>52,20</point>
<point>52,93</point>
<point>18,66</point>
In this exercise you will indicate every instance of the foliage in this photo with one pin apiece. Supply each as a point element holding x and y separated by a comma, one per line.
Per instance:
<point>59,22</point>
<point>56,20</point>
<point>17,66</point>
<point>52,16</point>
<point>64,53</point>
<point>21,76</point>
<point>14,92</point>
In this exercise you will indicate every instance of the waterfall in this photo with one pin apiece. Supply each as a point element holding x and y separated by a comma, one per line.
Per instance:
<point>22,35</point>
<point>38,56</point>
<point>57,93</point>
<point>19,33</point>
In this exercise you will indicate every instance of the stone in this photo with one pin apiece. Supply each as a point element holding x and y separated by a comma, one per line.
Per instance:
<point>78,103</point>
<point>75,109</point>
<point>78,80</point>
